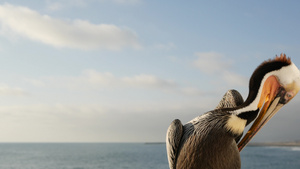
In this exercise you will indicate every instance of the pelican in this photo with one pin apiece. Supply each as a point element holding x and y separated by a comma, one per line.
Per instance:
<point>209,141</point>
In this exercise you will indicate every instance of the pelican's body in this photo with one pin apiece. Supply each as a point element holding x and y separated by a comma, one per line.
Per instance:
<point>231,99</point>
<point>206,150</point>
<point>209,141</point>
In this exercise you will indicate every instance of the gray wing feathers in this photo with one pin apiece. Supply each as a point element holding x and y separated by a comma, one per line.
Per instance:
<point>174,135</point>
<point>231,98</point>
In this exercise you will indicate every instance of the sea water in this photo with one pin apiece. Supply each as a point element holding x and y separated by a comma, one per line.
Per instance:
<point>266,157</point>
<point>125,156</point>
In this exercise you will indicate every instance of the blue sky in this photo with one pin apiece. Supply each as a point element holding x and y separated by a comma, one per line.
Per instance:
<point>122,70</point>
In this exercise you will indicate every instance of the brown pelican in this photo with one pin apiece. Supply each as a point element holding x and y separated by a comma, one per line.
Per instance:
<point>209,141</point>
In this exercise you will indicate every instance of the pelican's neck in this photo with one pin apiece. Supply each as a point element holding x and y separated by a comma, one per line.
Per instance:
<point>254,98</point>
<point>247,112</point>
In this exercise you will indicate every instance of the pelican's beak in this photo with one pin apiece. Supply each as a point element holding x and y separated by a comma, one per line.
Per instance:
<point>273,97</point>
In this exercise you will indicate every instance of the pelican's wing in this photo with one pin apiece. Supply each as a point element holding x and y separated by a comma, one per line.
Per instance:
<point>174,135</point>
<point>231,98</point>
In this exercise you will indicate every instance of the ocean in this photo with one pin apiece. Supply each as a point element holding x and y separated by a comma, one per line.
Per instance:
<point>125,156</point>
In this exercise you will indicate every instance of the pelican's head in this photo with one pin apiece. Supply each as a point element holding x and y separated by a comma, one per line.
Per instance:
<point>279,83</point>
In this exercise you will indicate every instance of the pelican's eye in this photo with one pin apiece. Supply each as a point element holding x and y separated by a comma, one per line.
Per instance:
<point>288,96</point>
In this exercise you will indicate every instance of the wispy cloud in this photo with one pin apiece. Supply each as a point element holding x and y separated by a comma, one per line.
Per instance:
<point>234,79</point>
<point>215,64</point>
<point>165,46</point>
<point>192,91</point>
<point>11,91</point>
<point>78,34</point>
<point>211,62</point>
<point>148,81</point>
<point>54,5</point>
<point>91,79</point>
<point>94,80</point>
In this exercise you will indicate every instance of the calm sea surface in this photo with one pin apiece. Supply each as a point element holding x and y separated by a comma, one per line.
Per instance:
<point>125,156</point>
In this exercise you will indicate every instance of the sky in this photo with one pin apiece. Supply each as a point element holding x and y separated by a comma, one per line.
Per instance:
<point>122,70</point>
